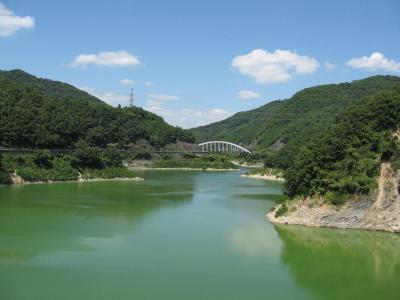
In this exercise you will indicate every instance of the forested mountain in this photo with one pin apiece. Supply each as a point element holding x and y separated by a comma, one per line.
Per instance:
<point>41,113</point>
<point>46,86</point>
<point>346,158</point>
<point>295,120</point>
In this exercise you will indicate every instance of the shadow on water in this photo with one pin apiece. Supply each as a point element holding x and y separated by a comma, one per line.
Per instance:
<point>342,264</point>
<point>58,217</point>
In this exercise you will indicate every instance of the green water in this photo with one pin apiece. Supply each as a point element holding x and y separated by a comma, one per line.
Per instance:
<point>180,235</point>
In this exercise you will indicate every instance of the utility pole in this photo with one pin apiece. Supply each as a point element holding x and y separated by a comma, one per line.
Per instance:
<point>132,99</point>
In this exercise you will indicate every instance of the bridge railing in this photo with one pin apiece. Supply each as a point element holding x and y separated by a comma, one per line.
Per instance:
<point>222,146</point>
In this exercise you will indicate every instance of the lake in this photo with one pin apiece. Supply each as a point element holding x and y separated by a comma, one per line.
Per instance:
<point>180,235</point>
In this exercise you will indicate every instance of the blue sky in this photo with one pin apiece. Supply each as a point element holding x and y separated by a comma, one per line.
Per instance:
<point>195,62</point>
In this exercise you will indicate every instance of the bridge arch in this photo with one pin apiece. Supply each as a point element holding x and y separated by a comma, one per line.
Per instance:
<point>222,146</point>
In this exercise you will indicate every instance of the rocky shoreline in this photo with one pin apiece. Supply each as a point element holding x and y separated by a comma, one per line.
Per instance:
<point>17,180</point>
<point>264,177</point>
<point>378,211</point>
<point>185,169</point>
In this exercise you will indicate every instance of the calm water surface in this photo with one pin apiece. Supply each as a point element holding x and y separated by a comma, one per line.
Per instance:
<point>180,235</point>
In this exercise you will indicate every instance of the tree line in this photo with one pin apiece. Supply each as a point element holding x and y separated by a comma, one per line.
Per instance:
<point>345,159</point>
<point>39,113</point>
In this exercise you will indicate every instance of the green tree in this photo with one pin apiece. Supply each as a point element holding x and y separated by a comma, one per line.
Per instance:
<point>86,156</point>
<point>345,158</point>
<point>111,157</point>
<point>43,159</point>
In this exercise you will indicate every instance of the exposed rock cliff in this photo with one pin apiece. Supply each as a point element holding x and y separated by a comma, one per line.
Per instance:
<point>378,211</point>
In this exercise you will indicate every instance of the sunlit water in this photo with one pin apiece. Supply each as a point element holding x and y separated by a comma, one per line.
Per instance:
<point>180,235</point>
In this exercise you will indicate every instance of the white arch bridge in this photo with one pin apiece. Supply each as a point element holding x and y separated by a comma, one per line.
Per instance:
<point>222,146</point>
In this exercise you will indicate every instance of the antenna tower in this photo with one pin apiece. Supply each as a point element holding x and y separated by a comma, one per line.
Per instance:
<point>132,99</point>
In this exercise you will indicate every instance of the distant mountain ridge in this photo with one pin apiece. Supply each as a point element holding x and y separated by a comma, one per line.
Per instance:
<point>41,113</point>
<point>47,86</point>
<point>292,121</point>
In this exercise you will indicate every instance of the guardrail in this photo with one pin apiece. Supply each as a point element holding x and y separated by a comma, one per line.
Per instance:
<point>33,150</point>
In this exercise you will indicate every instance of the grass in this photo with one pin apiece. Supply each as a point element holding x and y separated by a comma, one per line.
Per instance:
<point>107,173</point>
<point>336,198</point>
<point>35,168</point>
<point>45,175</point>
<point>196,163</point>
<point>282,210</point>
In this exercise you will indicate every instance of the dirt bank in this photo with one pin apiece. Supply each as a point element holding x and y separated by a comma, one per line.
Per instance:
<point>265,177</point>
<point>378,211</point>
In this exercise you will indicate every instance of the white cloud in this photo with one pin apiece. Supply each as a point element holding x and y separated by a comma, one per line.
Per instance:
<point>110,98</point>
<point>149,83</point>
<point>158,104</point>
<point>10,23</point>
<point>248,95</point>
<point>376,61</point>
<point>183,117</point>
<point>188,117</point>
<point>273,67</point>
<point>162,97</point>
<point>157,100</point>
<point>127,81</point>
<point>329,66</point>
<point>106,59</point>
<point>255,240</point>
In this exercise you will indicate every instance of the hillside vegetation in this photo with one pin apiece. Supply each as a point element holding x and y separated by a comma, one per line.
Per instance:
<point>291,123</point>
<point>41,113</point>
<point>345,159</point>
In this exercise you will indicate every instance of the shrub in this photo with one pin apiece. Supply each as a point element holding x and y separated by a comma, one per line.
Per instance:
<point>282,210</point>
<point>336,198</point>
<point>388,146</point>
<point>43,159</point>
<point>33,175</point>
<point>86,156</point>
<point>143,155</point>
<point>107,173</point>
<point>5,177</point>
<point>62,170</point>
<point>197,163</point>
<point>188,155</point>
<point>111,157</point>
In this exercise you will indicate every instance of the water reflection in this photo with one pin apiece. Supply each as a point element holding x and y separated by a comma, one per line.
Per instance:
<point>81,216</point>
<point>342,264</point>
<point>255,239</point>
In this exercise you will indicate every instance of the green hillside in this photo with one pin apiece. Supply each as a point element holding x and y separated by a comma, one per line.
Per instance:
<point>295,120</point>
<point>345,158</point>
<point>41,113</point>
<point>46,86</point>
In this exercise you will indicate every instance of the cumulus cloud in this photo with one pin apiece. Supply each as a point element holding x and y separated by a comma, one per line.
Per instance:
<point>160,104</point>
<point>248,95</point>
<point>162,97</point>
<point>255,240</point>
<point>329,66</point>
<point>188,117</point>
<point>157,100</point>
<point>149,83</point>
<point>106,59</point>
<point>274,67</point>
<point>10,23</point>
<point>110,98</point>
<point>127,81</point>
<point>376,61</point>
